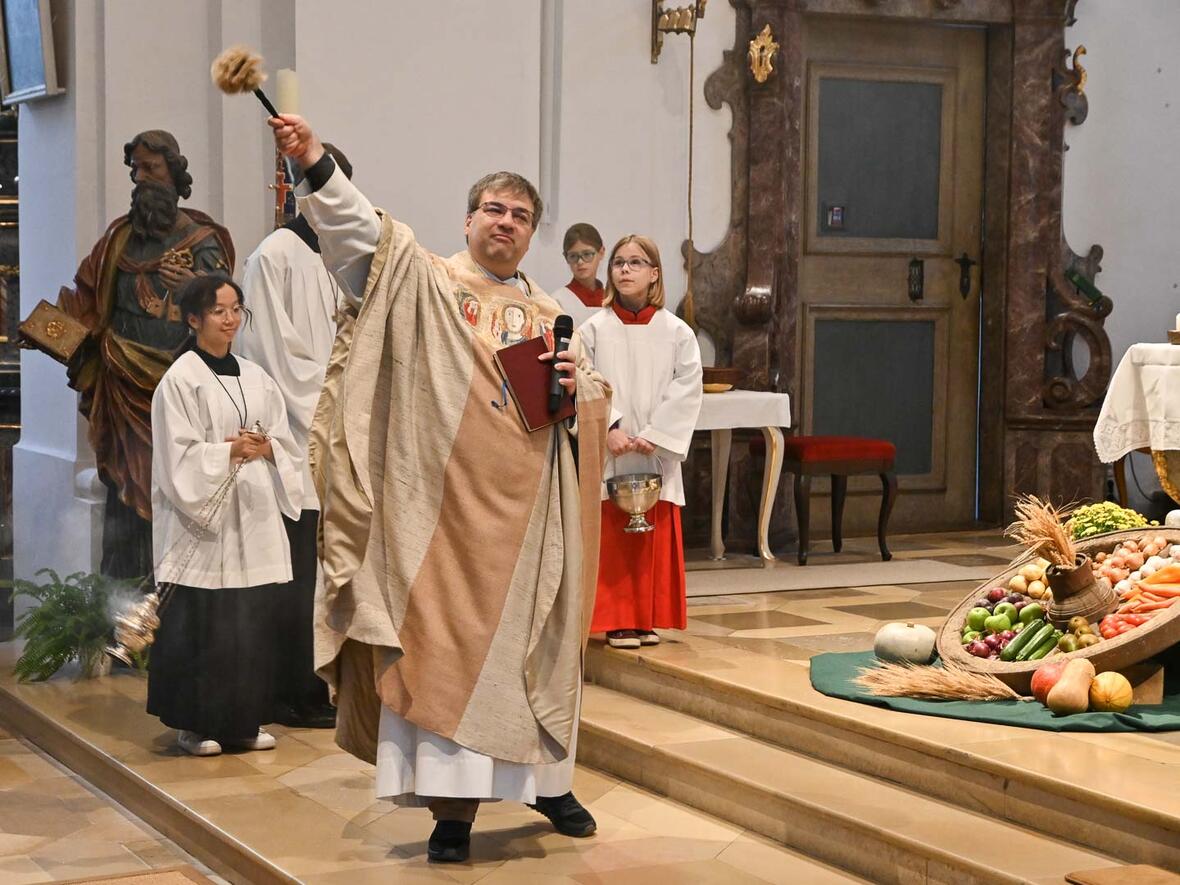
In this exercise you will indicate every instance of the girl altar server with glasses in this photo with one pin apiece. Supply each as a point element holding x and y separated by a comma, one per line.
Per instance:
<point>653,363</point>
<point>225,470</point>
<point>582,296</point>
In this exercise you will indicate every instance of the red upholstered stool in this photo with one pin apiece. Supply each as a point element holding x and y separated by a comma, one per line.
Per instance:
<point>839,456</point>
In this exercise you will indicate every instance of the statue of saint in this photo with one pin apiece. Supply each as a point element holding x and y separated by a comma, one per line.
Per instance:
<point>125,292</point>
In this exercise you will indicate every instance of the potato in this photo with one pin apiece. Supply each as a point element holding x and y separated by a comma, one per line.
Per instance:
<point>1032,572</point>
<point>1018,584</point>
<point>1036,589</point>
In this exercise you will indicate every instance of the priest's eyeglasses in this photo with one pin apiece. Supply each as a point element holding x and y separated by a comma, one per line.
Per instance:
<point>630,263</point>
<point>498,210</point>
<point>580,257</point>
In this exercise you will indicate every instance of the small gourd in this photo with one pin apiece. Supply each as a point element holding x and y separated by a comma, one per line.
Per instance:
<point>904,642</point>
<point>1071,694</point>
<point>1111,692</point>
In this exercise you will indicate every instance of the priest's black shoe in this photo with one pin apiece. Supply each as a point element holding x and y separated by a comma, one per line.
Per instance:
<point>450,842</point>
<point>568,816</point>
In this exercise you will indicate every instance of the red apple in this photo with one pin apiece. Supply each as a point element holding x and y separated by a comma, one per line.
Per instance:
<point>996,594</point>
<point>1045,678</point>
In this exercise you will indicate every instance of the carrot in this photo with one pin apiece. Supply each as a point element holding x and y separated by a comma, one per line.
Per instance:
<point>1154,606</point>
<point>1169,574</point>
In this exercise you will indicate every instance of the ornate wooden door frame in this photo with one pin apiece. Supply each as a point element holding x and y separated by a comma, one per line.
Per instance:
<point>747,288</point>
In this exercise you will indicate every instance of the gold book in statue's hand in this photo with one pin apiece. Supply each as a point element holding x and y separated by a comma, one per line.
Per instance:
<point>53,332</point>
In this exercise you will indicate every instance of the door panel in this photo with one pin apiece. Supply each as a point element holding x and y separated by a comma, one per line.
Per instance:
<point>893,174</point>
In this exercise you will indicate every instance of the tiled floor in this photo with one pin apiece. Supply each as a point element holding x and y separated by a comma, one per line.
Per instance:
<point>54,826</point>
<point>309,809</point>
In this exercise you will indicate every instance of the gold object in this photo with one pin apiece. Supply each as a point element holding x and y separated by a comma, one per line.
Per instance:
<point>635,494</point>
<point>678,20</point>
<point>53,331</point>
<point>178,257</point>
<point>716,388</point>
<point>1080,89</point>
<point>762,50</point>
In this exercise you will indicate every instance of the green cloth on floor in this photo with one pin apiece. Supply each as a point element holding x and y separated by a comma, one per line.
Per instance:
<point>833,674</point>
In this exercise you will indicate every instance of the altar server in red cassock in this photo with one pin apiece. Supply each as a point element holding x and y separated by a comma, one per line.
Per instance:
<point>652,360</point>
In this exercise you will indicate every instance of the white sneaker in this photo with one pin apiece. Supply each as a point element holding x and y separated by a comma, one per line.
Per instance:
<point>195,745</point>
<point>264,740</point>
<point>649,638</point>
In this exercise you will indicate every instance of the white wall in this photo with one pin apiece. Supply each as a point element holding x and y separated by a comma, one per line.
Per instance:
<point>1122,181</point>
<point>425,98</point>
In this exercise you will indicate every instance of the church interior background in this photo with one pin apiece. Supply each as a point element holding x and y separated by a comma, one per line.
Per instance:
<point>964,284</point>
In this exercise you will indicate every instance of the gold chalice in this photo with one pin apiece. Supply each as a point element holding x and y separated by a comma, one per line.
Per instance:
<point>635,494</point>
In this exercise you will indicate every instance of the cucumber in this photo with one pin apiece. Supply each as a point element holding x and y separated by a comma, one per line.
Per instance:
<point>1039,637</point>
<point>1045,647</point>
<point>1020,640</point>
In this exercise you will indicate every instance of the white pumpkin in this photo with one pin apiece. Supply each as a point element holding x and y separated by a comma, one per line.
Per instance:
<point>904,642</point>
<point>1172,520</point>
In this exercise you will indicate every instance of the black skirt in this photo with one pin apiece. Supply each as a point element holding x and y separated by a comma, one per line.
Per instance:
<point>212,667</point>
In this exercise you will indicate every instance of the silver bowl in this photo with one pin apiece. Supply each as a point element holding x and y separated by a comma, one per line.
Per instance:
<point>635,494</point>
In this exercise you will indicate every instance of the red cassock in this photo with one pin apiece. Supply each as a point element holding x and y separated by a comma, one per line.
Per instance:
<point>641,575</point>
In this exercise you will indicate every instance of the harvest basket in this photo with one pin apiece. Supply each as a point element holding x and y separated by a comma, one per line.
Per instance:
<point>1130,648</point>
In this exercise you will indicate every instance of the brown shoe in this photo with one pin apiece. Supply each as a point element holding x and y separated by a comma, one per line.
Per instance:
<point>623,639</point>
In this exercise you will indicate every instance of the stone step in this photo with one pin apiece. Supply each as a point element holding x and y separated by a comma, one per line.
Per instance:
<point>1116,802</point>
<point>872,828</point>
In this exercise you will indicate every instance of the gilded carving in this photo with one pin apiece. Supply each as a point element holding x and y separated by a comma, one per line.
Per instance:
<point>762,50</point>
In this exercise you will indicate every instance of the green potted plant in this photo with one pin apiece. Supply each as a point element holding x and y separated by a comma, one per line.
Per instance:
<point>71,620</point>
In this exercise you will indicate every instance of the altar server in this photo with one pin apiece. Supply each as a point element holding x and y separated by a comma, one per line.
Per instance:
<point>582,296</point>
<point>653,363</point>
<point>293,301</point>
<point>225,470</point>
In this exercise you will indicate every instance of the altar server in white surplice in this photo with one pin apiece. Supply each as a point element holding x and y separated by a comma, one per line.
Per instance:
<point>225,470</point>
<point>653,362</point>
<point>294,300</point>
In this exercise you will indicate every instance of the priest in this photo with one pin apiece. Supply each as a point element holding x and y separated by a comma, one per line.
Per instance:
<point>459,549</point>
<point>293,301</point>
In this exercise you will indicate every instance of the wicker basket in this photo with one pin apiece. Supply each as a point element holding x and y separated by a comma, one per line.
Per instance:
<point>1119,653</point>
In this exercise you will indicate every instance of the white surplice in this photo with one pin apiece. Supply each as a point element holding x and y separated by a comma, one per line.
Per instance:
<point>244,544</point>
<point>655,371</point>
<point>415,764</point>
<point>293,300</point>
<point>572,305</point>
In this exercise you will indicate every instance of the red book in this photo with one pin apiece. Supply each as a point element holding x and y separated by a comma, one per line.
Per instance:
<point>528,383</point>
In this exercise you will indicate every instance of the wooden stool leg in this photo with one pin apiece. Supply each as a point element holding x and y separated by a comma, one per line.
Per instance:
<point>839,487</point>
<point>803,513</point>
<point>1120,480</point>
<point>888,496</point>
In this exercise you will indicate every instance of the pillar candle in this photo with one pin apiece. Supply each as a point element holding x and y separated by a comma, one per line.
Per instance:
<point>288,91</point>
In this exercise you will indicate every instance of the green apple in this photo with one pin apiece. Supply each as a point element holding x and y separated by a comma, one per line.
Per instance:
<point>1008,610</point>
<point>1031,612</point>
<point>976,617</point>
<point>970,636</point>
<point>997,624</point>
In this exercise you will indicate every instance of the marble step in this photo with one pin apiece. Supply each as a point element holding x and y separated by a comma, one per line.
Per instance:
<point>1122,802</point>
<point>872,828</point>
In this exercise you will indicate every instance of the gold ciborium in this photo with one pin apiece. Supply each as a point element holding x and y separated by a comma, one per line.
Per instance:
<point>135,629</point>
<point>635,494</point>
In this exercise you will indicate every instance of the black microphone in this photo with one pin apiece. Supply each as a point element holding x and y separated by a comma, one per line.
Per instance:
<point>563,331</point>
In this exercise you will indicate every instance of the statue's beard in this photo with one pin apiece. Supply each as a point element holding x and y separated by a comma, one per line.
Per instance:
<point>154,207</point>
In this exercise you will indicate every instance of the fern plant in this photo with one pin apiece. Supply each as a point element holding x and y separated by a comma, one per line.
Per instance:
<point>71,620</point>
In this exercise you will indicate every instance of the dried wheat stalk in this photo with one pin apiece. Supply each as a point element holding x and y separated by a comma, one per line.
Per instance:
<point>238,69</point>
<point>1040,527</point>
<point>950,682</point>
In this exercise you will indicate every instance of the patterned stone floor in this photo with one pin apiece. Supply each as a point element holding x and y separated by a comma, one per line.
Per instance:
<point>54,826</point>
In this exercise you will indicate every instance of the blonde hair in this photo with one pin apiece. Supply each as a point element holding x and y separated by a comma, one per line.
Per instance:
<point>655,292</point>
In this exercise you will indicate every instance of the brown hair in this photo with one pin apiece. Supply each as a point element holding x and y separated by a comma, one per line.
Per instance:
<point>162,142</point>
<point>511,183</point>
<point>581,233</point>
<point>655,292</point>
